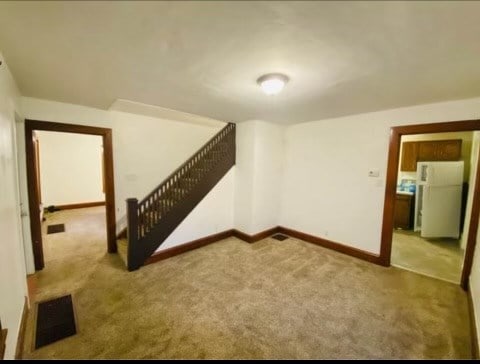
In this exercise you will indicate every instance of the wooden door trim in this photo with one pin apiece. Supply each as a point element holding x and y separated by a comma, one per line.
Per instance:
<point>37,166</point>
<point>391,185</point>
<point>33,198</point>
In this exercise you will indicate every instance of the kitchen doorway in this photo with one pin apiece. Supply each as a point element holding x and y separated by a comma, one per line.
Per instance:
<point>434,175</point>
<point>471,221</point>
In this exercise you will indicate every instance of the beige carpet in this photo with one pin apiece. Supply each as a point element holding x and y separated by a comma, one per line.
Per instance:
<point>437,258</point>
<point>231,299</point>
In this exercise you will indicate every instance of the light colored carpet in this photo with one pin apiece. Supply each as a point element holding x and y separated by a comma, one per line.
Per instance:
<point>233,300</point>
<point>437,258</point>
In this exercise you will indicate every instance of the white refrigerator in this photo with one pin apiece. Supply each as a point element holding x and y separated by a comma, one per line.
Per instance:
<point>438,199</point>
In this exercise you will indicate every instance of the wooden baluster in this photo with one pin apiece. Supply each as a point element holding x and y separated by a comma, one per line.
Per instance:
<point>150,211</point>
<point>154,208</point>
<point>157,207</point>
<point>164,207</point>
<point>169,194</point>
<point>145,217</point>
<point>149,215</point>
<point>175,191</point>
<point>140,221</point>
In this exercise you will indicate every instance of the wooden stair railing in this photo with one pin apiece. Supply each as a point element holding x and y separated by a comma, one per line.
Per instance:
<point>152,220</point>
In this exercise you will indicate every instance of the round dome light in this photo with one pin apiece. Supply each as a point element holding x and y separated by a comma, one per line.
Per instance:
<point>272,83</point>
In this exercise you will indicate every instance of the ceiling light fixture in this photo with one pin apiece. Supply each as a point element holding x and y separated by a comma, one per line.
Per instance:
<point>272,83</point>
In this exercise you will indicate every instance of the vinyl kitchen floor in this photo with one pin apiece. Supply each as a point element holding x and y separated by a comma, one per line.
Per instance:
<point>437,258</point>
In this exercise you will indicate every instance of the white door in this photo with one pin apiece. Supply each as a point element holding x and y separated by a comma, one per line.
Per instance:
<point>441,211</point>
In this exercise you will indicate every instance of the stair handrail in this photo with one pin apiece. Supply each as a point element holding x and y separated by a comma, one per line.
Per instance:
<point>158,214</point>
<point>228,127</point>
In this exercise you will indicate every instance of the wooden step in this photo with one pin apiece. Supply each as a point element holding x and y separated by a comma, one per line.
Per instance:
<point>122,249</point>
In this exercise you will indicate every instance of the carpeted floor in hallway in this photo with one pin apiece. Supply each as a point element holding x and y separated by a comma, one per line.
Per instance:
<point>232,299</point>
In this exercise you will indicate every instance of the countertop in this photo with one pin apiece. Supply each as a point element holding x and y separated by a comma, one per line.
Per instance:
<point>405,193</point>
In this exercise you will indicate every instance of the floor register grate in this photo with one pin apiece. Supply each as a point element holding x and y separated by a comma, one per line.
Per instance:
<point>53,229</point>
<point>55,321</point>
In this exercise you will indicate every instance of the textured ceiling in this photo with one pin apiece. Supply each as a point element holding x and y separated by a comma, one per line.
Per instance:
<point>204,57</point>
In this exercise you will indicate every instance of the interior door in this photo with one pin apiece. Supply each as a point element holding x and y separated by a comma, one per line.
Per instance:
<point>33,169</point>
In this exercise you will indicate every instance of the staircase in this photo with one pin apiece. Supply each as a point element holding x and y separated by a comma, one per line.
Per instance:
<point>152,220</point>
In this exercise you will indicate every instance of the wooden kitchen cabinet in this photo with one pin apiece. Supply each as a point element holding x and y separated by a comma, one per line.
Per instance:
<point>432,150</point>
<point>409,156</point>
<point>440,150</point>
<point>404,211</point>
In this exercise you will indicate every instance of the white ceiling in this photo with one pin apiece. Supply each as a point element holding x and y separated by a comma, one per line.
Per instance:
<point>204,57</point>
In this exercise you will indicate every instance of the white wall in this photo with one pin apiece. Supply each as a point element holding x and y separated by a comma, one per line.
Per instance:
<point>212,215</point>
<point>245,169</point>
<point>70,168</point>
<point>465,156</point>
<point>327,191</point>
<point>259,175</point>
<point>12,264</point>
<point>145,149</point>
<point>22,179</point>
<point>267,183</point>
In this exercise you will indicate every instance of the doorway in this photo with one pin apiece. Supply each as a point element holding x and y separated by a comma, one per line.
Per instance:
<point>391,189</point>
<point>429,235</point>
<point>34,198</point>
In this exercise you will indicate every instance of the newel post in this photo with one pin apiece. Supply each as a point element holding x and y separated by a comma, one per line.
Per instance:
<point>134,251</point>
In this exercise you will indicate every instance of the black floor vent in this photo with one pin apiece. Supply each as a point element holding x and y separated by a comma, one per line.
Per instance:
<point>55,321</point>
<point>53,229</point>
<point>280,237</point>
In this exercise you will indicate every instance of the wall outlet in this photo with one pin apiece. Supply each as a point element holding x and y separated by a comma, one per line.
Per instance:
<point>373,173</point>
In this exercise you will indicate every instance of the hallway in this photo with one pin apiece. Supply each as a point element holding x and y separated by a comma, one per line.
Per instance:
<point>71,256</point>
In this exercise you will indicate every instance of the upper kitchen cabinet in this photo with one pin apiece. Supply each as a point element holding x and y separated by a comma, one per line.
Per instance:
<point>409,156</point>
<point>441,150</point>
<point>435,150</point>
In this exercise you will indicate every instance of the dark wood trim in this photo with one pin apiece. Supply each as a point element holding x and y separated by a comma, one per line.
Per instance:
<point>390,194</point>
<point>67,128</point>
<point>37,166</point>
<point>473,326</point>
<point>391,182</point>
<point>179,249</point>
<point>348,250</point>
<point>440,127</point>
<point>472,231</point>
<point>33,198</point>
<point>109,191</point>
<point>3,341</point>
<point>256,237</point>
<point>21,331</point>
<point>80,205</point>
